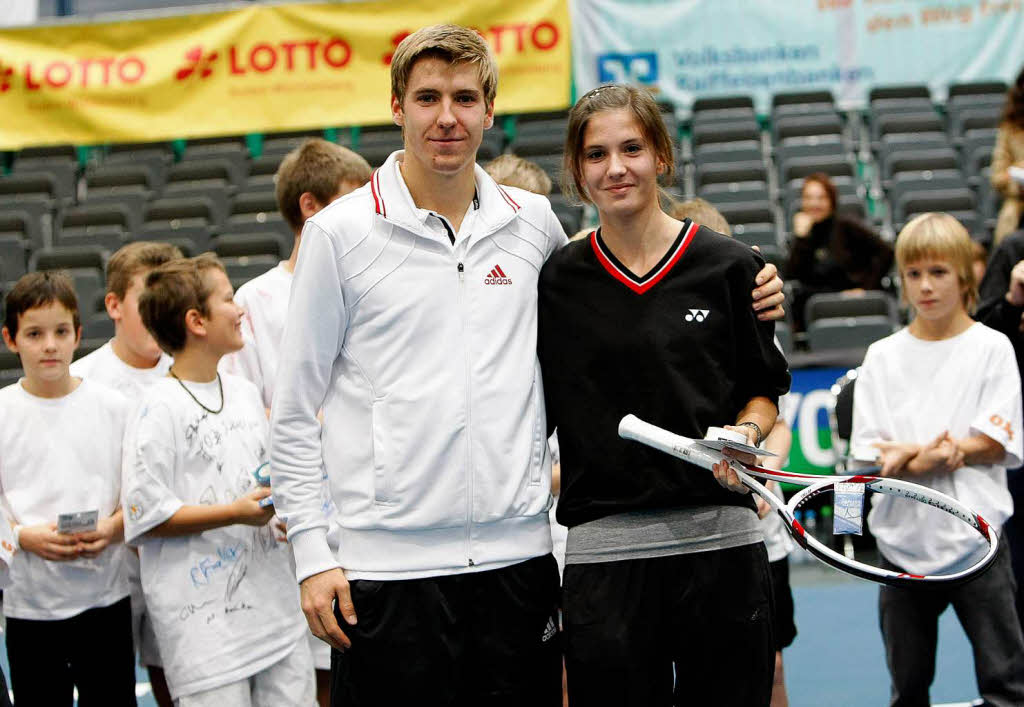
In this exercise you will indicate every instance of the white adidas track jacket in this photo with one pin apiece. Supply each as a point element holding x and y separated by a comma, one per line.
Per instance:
<point>423,357</point>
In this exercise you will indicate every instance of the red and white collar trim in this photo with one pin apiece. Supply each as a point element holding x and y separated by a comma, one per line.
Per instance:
<point>378,197</point>
<point>640,285</point>
<point>382,210</point>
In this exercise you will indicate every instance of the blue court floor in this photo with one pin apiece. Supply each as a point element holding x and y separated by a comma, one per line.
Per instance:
<point>837,659</point>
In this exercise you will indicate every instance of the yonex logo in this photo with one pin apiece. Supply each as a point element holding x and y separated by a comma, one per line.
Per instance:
<point>697,315</point>
<point>497,276</point>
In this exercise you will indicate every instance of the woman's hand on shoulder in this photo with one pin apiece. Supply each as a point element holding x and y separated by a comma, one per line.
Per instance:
<point>768,296</point>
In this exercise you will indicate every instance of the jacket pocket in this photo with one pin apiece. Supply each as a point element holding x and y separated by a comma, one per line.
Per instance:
<point>383,454</point>
<point>539,447</point>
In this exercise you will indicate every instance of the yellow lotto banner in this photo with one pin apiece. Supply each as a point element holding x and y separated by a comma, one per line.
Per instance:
<point>259,69</point>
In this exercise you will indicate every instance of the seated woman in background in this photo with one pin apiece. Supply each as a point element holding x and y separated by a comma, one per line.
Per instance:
<point>1009,152</point>
<point>830,252</point>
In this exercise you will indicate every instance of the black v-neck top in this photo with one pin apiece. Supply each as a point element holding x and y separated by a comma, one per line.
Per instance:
<point>679,346</point>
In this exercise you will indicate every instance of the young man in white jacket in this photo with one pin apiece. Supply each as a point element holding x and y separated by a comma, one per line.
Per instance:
<point>412,324</point>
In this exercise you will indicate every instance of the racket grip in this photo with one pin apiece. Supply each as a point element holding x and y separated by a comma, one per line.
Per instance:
<point>632,427</point>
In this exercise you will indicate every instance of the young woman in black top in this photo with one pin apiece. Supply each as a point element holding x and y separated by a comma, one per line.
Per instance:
<point>665,565</point>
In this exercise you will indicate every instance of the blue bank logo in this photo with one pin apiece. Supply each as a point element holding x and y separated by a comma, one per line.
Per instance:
<point>628,68</point>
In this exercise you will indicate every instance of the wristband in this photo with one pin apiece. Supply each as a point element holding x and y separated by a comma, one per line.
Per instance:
<point>757,428</point>
<point>16,531</point>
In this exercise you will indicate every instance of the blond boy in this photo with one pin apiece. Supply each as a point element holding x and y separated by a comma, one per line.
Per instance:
<point>217,583</point>
<point>940,402</point>
<point>514,171</point>
<point>68,612</point>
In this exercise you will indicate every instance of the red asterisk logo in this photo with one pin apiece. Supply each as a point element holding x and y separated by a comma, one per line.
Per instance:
<point>196,61</point>
<point>6,72</point>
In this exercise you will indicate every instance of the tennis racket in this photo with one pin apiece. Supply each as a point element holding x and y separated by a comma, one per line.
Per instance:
<point>693,451</point>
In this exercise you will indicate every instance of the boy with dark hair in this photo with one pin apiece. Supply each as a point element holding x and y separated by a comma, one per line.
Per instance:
<point>217,583</point>
<point>129,363</point>
<point>68,611</point>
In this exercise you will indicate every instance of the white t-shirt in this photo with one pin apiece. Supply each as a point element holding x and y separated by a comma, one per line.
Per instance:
<point>224,602</point>
<point>265,301</point>
<point>776,539</point>
<point>62,455</point>
<point>911,390</point>
<point>103,366</point>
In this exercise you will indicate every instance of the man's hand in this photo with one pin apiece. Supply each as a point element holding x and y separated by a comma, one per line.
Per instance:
<point>725,475</point>
<point>768,297</point>
<point>108,530</point>
<point>319,593</point>
<point>893,456</point>
<point>247,509</point>
<point>941,455</point>
<point>1015,293</point>
<point>45,541</point>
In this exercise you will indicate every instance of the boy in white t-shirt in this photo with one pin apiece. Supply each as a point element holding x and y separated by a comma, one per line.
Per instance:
<point>940,400</point>
<point>68,611</point>
<point>308,179</point>
<point>129,363</point>
<point>218,585</point>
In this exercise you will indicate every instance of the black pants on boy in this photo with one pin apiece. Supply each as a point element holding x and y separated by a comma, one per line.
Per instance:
<point>909,618</point>
<point>708,614</point>
<point>485,639</point>
<point>92,651</point>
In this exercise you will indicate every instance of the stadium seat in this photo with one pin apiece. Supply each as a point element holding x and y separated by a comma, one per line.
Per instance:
<point>115,179</point>
<point>976,152</point>
<point>187,246</point>
<point>13,256</point>
<point>256,211</point>
<point>243,244</point>
<point>910,123</point>
<point>736,151</point>
<point>136,152</point>
<point>730,172</point>
<point>280,144</point>
<point>802,103</point>
<point>10,367</point>
<point>245,267</point>
<point>839,167</point>
<point>200,174</point>
<point>784,333</point>
<point>570,216</point>
<point>800,126</point>
<point>725,131</point>
<point>492,145</point>
<point>106,225</point>
<point>26,221</point>
<point>215,146</point>
<point>98,326</point>
<point>539,138</point>
<point>890,98</point>
<point>61,161</point>
<point>918,160</point>
<point>977,89</point>
<point>191,217</point>
<point>975,118</point>
<point>215,197</point>
<point>31,185</point>
<point>68,257</point>
<point>827,305</point>
<point>262,171</point>
<point>377,154</point>
<point>714,108</point>
<point>847,332</point>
